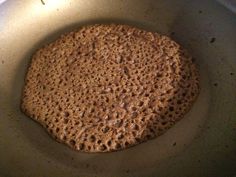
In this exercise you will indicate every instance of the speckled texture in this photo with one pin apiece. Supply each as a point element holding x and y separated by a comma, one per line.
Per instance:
<point>108,87</point>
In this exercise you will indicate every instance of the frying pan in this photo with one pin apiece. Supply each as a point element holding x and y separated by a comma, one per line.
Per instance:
<point>202,144</point>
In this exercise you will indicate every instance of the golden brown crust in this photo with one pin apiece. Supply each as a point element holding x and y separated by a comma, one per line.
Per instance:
<point>108,87</point>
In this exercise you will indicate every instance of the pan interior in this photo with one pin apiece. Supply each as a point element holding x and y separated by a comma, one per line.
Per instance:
<point>203,143</point>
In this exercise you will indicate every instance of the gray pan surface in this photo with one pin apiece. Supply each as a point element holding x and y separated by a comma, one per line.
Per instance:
<point>203,144</point>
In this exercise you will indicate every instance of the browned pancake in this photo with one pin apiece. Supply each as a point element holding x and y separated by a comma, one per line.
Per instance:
<point>108,87</point>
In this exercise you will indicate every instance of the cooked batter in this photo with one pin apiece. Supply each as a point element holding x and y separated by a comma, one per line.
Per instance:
<point>108,87</point>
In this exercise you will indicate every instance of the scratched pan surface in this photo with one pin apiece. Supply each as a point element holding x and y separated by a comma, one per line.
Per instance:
<point>202,144</point>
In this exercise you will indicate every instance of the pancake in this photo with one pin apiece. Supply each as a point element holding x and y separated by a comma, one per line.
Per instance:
<point>104,88</point>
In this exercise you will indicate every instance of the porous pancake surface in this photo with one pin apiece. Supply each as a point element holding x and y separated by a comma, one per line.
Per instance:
<point>108,87</point>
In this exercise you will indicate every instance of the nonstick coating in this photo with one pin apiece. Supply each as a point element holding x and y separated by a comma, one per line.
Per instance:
<point>202,144</point>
